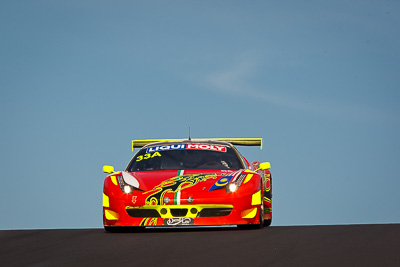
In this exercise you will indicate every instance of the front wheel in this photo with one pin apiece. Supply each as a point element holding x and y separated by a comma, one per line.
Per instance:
<point>267,222</point>
<point>262,221</point>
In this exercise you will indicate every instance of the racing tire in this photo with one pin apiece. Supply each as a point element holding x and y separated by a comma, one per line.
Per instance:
<point>267,222</point>
<point>257,225</point>
<point>262,221</point>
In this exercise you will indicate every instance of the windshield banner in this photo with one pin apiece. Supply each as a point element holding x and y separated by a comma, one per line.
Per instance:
<point>187,146</point>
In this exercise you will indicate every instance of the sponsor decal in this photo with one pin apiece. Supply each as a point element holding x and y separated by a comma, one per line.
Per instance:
<point>178,221</point>
<point>164,148</point>
<point>207,147</point>
<point>221,183</point>
<point>186,146</point>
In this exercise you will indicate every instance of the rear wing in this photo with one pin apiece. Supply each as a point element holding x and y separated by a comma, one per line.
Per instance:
<point>233,141</point>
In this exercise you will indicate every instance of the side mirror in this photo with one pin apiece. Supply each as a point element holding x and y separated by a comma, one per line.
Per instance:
<point>264,166</point>
<point>108,169</point>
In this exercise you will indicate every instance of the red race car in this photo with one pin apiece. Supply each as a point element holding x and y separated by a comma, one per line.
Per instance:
<point>181,182</point>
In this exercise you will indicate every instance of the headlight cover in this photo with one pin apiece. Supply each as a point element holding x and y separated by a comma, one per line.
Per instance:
<point>234,185</point>
<point>125,188</point>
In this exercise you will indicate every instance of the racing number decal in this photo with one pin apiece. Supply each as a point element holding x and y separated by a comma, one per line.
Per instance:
<point>148,156</point>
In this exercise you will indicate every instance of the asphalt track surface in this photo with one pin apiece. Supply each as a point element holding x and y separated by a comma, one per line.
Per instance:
<point>347,245</point>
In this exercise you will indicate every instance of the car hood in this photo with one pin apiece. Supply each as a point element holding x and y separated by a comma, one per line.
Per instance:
<point>180,180</point>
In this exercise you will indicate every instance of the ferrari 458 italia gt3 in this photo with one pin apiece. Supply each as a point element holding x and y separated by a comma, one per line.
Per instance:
<point>181,182</point>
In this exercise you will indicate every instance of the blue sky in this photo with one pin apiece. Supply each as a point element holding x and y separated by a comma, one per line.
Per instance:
<point>317,80</point>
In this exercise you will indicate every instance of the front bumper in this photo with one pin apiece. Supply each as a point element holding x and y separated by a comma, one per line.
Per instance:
<point>195,204</point>
<point>228,211</point>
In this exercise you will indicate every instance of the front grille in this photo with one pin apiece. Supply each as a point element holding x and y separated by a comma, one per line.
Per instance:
<point>141,213</point>
<point>172,211</point>
<point>178,212</point>
<point>214,212</point>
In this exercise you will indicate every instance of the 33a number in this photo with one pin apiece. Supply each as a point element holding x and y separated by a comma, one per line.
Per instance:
<point>148,156</point>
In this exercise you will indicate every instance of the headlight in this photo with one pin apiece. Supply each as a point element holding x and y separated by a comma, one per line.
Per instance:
<point>126,188</point>
<point>234,186</point>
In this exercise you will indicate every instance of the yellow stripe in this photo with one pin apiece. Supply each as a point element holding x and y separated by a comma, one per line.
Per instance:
<point>111,215</point>
<point>248,178</point>
<point>256,198</point>
<point>251,214</point>
<point>114,180</point>
<point>149,222</point>
<point>106,201</point>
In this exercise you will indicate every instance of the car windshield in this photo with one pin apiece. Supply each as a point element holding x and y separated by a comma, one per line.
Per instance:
<point>185,157</point>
